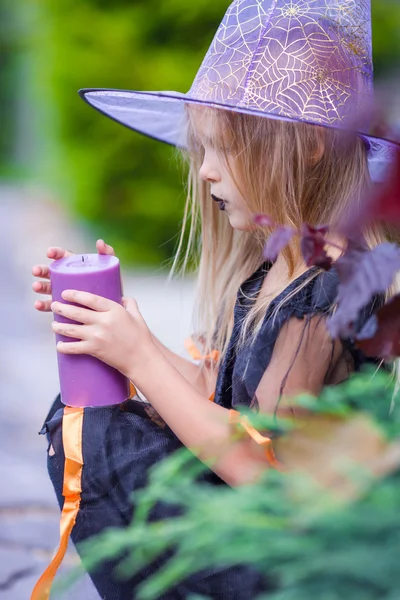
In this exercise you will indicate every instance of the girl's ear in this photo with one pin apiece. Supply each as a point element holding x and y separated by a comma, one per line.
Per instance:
<point>320,143</point>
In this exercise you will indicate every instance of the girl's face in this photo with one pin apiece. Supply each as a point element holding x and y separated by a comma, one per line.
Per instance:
<point>220,174</point>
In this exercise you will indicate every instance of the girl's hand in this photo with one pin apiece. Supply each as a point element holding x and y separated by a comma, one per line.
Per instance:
<point>44,287</point>
<point>115,334</point>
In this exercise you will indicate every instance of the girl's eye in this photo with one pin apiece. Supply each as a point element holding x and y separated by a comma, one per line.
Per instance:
<point>227,151</point>
<point>224,149</point>
<point>198,148</point>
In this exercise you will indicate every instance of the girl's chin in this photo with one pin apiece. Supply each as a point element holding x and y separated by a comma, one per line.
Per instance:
<point>240,224</point>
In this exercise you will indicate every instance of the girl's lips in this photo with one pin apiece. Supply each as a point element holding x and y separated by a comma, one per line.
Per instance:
<point>221,203</point>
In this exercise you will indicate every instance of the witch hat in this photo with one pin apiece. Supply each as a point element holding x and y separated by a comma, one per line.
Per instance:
<point>296,60</point>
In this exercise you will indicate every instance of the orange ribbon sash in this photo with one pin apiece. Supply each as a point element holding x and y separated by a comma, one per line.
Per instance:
<point>238,420</point>
<point>72,441</point>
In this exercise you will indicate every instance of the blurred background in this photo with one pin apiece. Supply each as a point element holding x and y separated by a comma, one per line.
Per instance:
<point>69,176</point>
<point>120,185</point>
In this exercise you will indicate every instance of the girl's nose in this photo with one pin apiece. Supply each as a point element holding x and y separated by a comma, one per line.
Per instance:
<point>209,173</point>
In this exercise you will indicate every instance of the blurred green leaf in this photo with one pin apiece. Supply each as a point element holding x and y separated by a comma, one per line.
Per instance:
<point>305,541</point>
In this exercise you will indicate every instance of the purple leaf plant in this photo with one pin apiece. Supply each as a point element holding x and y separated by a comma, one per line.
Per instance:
<point>363,273</point>
<point>381,334</point>
<point>313,244</point>
<point>277,241</point>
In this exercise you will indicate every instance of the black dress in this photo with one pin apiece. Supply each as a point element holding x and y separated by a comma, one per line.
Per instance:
<point>121,443</point>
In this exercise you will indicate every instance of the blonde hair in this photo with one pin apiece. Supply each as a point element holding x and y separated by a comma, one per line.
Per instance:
<point>295,173</point>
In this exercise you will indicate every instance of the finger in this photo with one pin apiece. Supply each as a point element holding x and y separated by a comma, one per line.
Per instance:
<point>104,248</point>
<point>97,303</point>
<point>43,305</point>
<point>73,348</point>
<point>69,330</point>
<point>41,271</point>
<point>41,287</point>
<point>74,313</point>
<point>131,306</point>
<point>55,252</point>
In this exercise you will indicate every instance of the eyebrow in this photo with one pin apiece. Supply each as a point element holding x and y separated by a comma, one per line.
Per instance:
<point>208,140</point>
<point>201,137</point>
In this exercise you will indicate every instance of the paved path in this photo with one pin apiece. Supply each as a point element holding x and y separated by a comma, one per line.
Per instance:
<point>29,516</point>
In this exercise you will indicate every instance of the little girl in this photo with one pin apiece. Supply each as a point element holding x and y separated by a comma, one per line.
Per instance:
<point>261,128</point>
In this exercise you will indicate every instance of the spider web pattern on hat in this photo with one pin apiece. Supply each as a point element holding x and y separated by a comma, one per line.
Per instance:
<point>308,60</point>
<point>295,60</point>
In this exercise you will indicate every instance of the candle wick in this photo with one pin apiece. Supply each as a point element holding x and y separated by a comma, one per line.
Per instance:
<point>83,259</point>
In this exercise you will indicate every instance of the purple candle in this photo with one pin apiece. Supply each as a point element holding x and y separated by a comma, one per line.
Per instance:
<point>84,380</point>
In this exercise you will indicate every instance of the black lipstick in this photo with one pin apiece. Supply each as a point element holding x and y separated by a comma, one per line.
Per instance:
<point>221,203</point>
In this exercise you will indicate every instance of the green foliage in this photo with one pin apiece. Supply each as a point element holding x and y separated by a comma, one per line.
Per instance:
<point>8,63</point>
<point>309,545</point>
<point>386,35</point>
<point>128,188</point>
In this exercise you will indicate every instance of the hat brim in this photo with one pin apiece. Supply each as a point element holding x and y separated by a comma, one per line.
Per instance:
<point>161,115</point>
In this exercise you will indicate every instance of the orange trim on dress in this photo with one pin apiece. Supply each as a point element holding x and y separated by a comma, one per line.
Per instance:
<point>72,441</point>
<point>239,420</point>
<point>195,353</point>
